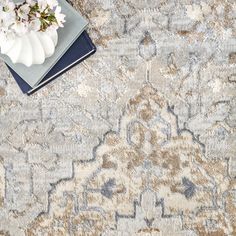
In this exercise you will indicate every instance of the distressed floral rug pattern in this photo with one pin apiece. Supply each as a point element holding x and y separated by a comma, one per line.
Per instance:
<point>140,139</point>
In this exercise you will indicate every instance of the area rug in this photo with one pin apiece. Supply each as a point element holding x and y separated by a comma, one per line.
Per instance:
<point>140,139</point>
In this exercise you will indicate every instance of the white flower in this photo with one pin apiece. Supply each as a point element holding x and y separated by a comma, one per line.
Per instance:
<point>20,28</point>
<point>31,2</point>
<point>42,4</point>
<point>6,21</point>
<point>7,6</point>
<point>52,28</point>
<point>7,14</point>
<point>23,12</point>
<point>35,25</point>
<point>59,17</point>
<point>38,15</point>
<point>52,3</point>
<point>21,18</point>
<point>6,17</point>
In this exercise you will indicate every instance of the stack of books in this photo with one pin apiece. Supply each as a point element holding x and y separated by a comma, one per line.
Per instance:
<point>74,45</point>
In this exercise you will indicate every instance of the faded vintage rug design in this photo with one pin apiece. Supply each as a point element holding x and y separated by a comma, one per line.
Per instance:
<point>140,139</point>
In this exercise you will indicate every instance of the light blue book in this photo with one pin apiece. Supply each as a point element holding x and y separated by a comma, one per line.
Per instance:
<point>73,27</point>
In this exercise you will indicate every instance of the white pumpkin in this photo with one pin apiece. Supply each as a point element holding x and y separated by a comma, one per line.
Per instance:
<point>32,48</point>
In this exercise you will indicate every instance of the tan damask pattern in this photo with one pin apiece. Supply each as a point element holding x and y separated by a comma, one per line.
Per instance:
<point>149,177</point>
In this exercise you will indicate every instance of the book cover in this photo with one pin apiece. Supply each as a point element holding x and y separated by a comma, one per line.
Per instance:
<point>73,27</point>
<point>81,49</point>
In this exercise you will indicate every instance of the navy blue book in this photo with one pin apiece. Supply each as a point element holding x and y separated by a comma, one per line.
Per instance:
<point>81,49</point>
